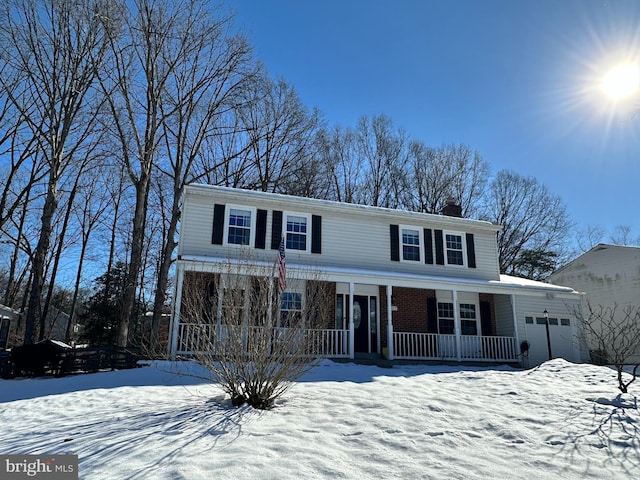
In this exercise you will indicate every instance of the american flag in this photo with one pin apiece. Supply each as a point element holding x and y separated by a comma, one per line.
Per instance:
<point>282,267</point>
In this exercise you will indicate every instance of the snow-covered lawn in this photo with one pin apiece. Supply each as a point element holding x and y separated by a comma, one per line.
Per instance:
<point>560,420</point>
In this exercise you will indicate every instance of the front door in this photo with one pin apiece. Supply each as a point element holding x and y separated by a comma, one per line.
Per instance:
<point>361,323</point>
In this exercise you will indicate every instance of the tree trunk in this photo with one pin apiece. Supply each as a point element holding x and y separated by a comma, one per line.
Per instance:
<point>34,312</point>
<point>135,262</point>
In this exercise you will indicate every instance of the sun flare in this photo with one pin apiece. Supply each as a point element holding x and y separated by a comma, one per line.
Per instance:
<point>621,81</point>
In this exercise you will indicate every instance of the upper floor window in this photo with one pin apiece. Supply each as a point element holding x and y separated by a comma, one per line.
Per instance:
<point>454,248</point>
<point>411,244</point>
<point>240,225</point>
<point>297,228</point>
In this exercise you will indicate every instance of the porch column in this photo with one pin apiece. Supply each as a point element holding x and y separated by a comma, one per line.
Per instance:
<point>390,351</point>
<point>175,317</point>
<point>515,325</point>
<point>352,329</point>
<point>456,323</point>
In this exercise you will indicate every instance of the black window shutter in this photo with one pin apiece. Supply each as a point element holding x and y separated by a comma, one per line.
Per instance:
<point>471,251</point>
<point>439,247</point>
<point>485,319</point>
<point>395,242</point>
<point>276,229</point>
<point>316,234</point>
<point>218,224</point>
<point>432,315</point>
<point>261,229</point>
<point>428,246</point>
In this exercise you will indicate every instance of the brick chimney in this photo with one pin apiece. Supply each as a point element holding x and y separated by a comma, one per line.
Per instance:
<point>452,209</point>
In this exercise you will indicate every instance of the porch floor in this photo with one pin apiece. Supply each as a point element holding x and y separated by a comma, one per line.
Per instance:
<point>377,360</point>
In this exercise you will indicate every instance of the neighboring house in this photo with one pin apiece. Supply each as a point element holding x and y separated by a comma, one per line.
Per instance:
<point>404,284</point>
<point>608,275</point>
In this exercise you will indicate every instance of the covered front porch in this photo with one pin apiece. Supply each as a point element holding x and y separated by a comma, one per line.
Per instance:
<point>393,317</point>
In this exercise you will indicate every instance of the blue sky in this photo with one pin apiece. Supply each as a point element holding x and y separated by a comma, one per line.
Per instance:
<point>515,80</point>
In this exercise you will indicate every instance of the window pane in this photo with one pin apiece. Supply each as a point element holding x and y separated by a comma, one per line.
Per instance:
<point>469,327</point>
<point>528,319</point>
<point>565,322</point>
<point>541,321</point>
<point>445,327</point>
<point>553,321</point>
<point>467,310</point>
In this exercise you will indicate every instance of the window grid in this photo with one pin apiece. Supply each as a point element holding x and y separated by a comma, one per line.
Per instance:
<point>239,227</point>
<point>290,308</point>
<point>410,245</point>
<point>445,318</point>
<point>296,233</point>
<point>454,249</point>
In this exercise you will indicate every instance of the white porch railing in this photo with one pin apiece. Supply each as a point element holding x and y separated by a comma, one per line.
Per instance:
<point>430,346</point>
<point>196,338</point>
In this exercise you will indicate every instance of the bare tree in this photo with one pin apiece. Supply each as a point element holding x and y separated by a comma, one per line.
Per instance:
<point>532,219</point>
<point>280,133</point>
<point>613,337</point>
<point>200,93</point>
<point>447,172</point>
<point>253,339</point>
<point>56,48</point>
<point>381,149</point>
<point>344,167</point>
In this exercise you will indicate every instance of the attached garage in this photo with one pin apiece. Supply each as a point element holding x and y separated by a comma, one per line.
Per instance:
<point>550,336</point>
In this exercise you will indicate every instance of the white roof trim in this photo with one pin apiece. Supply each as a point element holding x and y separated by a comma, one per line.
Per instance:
<point>507,285</point>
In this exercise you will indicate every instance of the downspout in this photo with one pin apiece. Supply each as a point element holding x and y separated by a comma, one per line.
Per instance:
<point>456,323</point>
<point>512,297</point>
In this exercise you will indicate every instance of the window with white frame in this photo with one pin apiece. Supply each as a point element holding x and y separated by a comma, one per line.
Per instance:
<point>468,319</point>
<point>290,308</point>
<point>297,227</point>
<point>240,225</point>
<point>454,243</point>
<point>411,244</point>
<point>446,323</point>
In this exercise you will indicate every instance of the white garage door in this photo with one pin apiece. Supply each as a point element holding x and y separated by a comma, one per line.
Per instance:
<point>561,333</point>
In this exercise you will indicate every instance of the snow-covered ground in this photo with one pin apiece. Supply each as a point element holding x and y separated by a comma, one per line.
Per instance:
<point>340,421</point>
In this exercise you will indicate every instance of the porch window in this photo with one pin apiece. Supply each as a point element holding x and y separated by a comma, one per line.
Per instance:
<point>297,232</point>
<point>290,308</point>
<point>411,244</point>
<point>240,226</point>
<point>454,246</point>
<point>446,324</point>
<point>468,319</point>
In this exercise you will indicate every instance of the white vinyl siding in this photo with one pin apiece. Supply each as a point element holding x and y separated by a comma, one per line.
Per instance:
<point>352,237</point>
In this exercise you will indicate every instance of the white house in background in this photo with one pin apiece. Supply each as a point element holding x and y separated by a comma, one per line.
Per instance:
<point>407,285</point>
<point>607,274</point>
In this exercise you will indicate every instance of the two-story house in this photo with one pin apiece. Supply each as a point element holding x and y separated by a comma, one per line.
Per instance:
<point>405,285</point>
